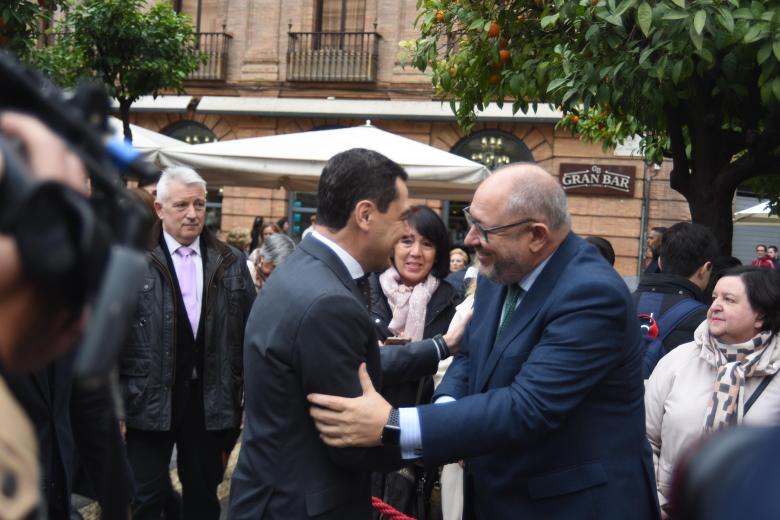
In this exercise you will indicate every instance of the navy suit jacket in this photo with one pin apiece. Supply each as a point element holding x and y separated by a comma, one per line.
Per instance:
<point>551,419</point>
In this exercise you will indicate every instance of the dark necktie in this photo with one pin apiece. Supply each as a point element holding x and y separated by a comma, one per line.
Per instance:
<point>365,290</point>
<point>513,293</point>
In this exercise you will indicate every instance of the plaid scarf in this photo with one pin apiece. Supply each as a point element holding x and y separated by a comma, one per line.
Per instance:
<point>759,356</point>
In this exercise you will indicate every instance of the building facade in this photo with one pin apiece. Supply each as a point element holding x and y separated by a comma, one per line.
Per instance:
<point>296,65</point>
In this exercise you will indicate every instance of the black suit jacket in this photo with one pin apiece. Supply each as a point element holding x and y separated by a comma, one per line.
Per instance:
<point>308,331</point>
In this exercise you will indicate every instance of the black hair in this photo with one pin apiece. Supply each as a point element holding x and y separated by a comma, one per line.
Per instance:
<point>351,176</point>
<point>686,247</point>
<point>604,247</point>
<point>148,181</point>
<point>720,265</point>
<point>281,222</point>
<point>428,224</point>
<point>762,287</point>
<point>257,228</point>
<point>660,229</point>
<point>761,245</point>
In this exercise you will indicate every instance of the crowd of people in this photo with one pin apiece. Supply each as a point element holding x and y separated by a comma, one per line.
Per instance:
<point>363,360</point>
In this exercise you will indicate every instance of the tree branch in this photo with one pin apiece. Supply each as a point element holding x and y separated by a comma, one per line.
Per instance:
<point>679,178</point>
<point>758,159</point>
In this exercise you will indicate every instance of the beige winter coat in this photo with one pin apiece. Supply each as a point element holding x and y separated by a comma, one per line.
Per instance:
<point>676,396</point>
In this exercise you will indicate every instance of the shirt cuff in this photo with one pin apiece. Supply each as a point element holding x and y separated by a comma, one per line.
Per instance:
<point>411,437</point>
<point>444,399</point>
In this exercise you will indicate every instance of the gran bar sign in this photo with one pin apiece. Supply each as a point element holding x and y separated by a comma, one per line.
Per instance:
<point>595,179</point>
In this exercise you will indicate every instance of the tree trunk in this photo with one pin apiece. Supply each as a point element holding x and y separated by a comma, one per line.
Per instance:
<point>711,207</point>
<point>124,112</point>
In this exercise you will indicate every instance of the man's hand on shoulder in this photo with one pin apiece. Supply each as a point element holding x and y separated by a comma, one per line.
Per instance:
<point>351,422</point>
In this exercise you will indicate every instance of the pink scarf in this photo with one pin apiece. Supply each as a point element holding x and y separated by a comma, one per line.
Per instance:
<point>408,304</point>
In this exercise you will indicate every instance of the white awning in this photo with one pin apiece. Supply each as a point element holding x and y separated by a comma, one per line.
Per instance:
<point>364,109</point>
<point>161,104</point>
<point>295,161</point>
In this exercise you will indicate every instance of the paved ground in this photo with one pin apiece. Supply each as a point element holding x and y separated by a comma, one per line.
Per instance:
<point>91,511</point>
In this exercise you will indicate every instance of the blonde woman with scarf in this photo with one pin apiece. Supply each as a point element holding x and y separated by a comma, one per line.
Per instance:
<point>724,377</point>
<point>412,301</point>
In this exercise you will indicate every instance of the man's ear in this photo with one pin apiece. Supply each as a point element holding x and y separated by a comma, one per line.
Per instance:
<point>364,211</point>
<point>540,235</point>
<point>158,209</point>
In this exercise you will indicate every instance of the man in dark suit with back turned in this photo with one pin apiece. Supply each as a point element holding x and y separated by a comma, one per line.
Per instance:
<point>181,367</point>
<point>546,395</point>
<point>309,330</point>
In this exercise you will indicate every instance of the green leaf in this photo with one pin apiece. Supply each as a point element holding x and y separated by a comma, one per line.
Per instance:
<point>644,17</point>
<point>699,19</point>
<point>676,71</point>
<point>763,53</point>
<point>776,49</point>
<point>696,37</point>
<point>742,14</point>
<point>554,84</point>
<point>550,20</point>
<point>645,54</point>
<point>679,3</point>
<point>624,6</point>
<point>726,20</point>
<point>516,85</point>
<point>776,88</point>
<point>614,19</point>
<point>676,15</point>
<point>754,34</point>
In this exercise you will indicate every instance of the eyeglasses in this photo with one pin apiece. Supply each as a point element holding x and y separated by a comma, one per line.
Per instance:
<point>483,231</point>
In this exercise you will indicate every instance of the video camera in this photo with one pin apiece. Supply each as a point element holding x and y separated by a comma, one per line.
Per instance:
<point>79,250</point>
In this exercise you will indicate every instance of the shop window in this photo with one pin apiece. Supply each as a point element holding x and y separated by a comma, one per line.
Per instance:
<point>493,148</point>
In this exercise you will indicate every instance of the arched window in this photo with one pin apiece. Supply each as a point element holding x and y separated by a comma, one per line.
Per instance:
<point>191,132</point>
<point>493,148</point>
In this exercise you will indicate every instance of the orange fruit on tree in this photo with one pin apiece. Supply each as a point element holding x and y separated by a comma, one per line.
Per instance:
<point>504,55</point>
<point>521,18</point>
<point>493,79</point>
<point>494,30</point>
<point>440,16</point>
<point>575,119</point>
<point>503,43</point>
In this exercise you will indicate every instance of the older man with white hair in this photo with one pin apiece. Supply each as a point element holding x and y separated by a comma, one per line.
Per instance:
<point>181,369</point>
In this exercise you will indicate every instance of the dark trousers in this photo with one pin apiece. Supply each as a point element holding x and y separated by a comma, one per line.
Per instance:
<point>199,460</point>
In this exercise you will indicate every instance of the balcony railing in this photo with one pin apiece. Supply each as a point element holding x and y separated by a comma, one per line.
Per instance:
<point>332,56</point>
<point>216,46</point>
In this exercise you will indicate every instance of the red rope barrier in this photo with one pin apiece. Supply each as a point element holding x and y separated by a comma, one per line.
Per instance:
<point>388,511</point>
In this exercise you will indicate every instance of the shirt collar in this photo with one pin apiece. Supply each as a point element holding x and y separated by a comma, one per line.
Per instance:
<point>526,283</point>
<point>173,244</point>
<point>352,265</point>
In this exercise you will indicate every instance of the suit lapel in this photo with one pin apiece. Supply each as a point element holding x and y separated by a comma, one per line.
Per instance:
<point>529,307</point>
<point>490,297</point>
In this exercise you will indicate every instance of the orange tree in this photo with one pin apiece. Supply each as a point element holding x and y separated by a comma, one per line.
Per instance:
<point>132,48</point>
<point>696,79</point>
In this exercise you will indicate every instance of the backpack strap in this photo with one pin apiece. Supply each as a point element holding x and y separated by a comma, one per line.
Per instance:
<point>675,315</point>
<point>649,303</point>
<point>761,387</point>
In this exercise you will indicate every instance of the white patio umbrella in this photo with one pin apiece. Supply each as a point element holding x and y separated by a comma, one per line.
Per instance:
<point>146,141</point>
<point>758,214</point>
<point>295,161</point>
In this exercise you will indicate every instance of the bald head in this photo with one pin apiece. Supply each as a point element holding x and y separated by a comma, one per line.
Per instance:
<point>521,217</point>
<point>530,191</point>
